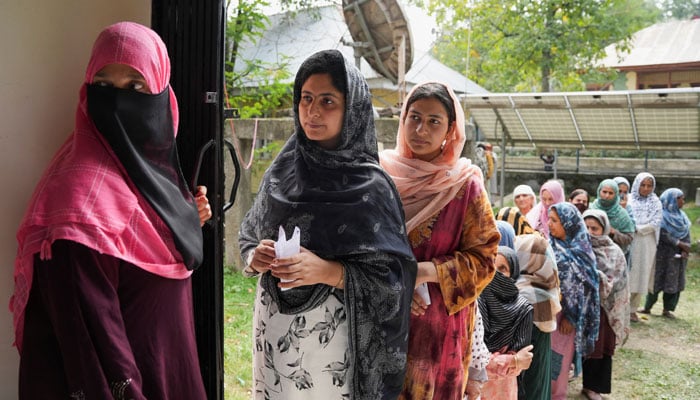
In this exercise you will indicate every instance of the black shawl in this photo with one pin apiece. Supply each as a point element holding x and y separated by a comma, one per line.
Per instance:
<point>348,210</point>
<point>506,314</point>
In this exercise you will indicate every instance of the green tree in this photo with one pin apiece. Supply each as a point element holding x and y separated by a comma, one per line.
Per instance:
<point>246,21</point>
<point>680,9</point>
<point>521,45</point>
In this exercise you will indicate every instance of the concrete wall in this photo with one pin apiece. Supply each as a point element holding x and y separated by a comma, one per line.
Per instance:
<point>45,46</point>
<point>586,173</point>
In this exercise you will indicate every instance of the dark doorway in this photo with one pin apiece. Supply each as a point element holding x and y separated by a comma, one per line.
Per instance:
<point>193,32</point>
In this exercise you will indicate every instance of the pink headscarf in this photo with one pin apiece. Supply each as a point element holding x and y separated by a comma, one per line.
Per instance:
<point>539,215</point>
<point>85,195</point>
<point>427,187</point>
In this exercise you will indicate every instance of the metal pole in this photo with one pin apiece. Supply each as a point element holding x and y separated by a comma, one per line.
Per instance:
<point>578,159</point>
<point>646,160</point>
<point>503,168</point>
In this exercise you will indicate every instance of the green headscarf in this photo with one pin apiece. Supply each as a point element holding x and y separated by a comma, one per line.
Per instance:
<point>618,216</point>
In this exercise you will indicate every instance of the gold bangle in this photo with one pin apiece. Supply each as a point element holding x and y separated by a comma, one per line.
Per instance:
<point>516,360</point>
<point>342,277</point>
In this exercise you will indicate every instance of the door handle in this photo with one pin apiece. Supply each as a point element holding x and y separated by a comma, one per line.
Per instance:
<point>236,166</point>
<point>237,178</point>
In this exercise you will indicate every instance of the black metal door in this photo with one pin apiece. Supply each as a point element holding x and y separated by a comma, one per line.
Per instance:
<point>193,32</point>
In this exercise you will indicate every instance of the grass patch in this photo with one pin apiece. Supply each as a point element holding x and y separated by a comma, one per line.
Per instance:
<point>661,359</point>
<point>693,213</point>
<point>239,298</point>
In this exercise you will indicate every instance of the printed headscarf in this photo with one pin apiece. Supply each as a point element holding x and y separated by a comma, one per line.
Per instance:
<point>601,217</point>
<point>100,207</point>
<point>578,277</point>
<point>674,220</point>
<point>613,281</point>
<point>539,280</point>
<point>539,215</point>
<point>646,210</point>
<point>507,315</point>
<point>618,216</point>
<point>514,217</point>
<point>427,187</point>
<point>347,210</point>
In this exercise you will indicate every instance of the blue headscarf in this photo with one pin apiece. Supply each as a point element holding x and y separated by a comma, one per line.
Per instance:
<point>507,234</point>
<point>578,277</point>
<point>674,220</point>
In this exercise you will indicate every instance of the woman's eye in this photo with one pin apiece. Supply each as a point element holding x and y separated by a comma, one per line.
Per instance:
<point>137,86</point>
<point>103,84</point>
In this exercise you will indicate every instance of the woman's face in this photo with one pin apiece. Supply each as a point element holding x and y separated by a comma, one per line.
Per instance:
<point>594,227</point>
<point>502,265</point>
<point>556,229</point>
<point>623,190</point>
<point>426,127</point>
<point>606,193</point>
<point>321,110</point>
<point>546,198</point>
<point>524,202</point>
<point>580,199</point>
<point>121,76</point>
<point>645,187</point>
<point>680,200</point>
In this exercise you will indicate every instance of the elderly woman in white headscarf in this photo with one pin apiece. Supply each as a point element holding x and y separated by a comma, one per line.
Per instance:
<point>646,212</point>
<point>524,198</point>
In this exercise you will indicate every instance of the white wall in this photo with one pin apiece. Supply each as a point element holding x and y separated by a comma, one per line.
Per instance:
<point>44,48</point>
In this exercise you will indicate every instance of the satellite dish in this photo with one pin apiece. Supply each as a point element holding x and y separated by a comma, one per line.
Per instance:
<point>382,36</point>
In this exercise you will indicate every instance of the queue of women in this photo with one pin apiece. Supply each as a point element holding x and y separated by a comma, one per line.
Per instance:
<point>403,283</point>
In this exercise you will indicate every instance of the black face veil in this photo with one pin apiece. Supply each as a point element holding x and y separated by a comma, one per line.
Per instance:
<point>139,129</point>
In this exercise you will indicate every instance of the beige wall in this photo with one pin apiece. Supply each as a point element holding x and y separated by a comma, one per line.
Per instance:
<point>44,47</point>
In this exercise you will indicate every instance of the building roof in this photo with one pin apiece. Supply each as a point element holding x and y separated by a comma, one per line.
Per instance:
<point>666,43</point>
<point>292,37</point>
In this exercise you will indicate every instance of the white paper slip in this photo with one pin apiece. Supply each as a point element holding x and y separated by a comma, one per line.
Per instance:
<point>286,248</point>
<point>422,290</point>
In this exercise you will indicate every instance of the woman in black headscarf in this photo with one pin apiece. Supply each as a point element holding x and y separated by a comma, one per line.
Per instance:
<point>507,328</point>
<point>332,320</point>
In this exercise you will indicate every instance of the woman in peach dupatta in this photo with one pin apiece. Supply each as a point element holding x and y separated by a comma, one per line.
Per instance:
<point>453,235</point>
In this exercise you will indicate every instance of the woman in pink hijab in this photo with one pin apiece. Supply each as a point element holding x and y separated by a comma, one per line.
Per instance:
<point>453,235</point>
<point>551,193</point>
<point>102,304</point>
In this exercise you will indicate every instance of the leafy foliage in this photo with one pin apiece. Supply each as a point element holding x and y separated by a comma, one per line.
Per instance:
<point>515,45</point>
<point>265,91</point>
<point>680,9</point>
<point>247,22</point>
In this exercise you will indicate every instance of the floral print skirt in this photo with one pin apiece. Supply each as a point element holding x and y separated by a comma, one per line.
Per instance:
<point>300,356</point>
